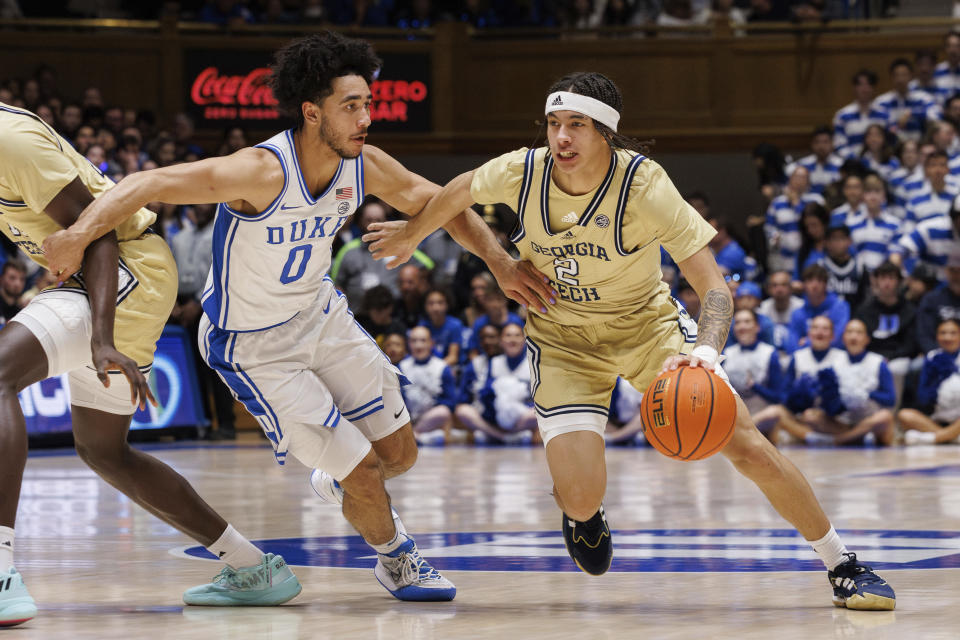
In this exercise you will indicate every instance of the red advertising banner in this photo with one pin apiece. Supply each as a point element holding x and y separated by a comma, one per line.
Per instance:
<point>229,88</point>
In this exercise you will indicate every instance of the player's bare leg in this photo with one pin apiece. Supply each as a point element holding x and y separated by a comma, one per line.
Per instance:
<point>400,567</point>
<point>778,478</point>
<point>855,586</point>
<point>101,442</point>
<point>22,362</point>
<point>397,452</point>
<point>579,472</point>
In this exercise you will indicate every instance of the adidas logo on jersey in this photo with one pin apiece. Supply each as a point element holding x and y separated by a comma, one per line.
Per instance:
<point>570,217</point>
<point>567,235</point>
<point>557,102</point>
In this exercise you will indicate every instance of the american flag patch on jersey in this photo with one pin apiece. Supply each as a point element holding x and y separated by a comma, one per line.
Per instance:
<point>345,194</point>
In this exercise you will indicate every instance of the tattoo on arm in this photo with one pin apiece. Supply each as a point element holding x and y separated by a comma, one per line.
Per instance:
<point>716,311</point>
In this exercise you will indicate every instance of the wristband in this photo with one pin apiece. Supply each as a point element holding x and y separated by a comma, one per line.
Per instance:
<point>706,353</point>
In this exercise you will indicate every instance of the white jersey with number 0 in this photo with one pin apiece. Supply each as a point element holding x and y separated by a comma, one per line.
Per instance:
<point>268,267</point>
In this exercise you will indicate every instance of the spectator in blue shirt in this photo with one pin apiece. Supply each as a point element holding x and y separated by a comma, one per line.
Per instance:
<point>747,298</point>
<point>817,301</point>
<point>906,111</point>
<point>497,314</point>
<point>730,256</point>
<point>753,367</point>
<point>878,156</point>
<point>432,394</point>
<point>938,305</point>
<point>813,229</point>
<point>851,121</point>
<point>937,419</point>
<point>823,165</point>
<point>446,331</point>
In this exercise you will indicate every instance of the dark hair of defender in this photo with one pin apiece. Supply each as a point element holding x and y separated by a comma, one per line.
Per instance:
<point>600,87</point>
<point>304,70</point>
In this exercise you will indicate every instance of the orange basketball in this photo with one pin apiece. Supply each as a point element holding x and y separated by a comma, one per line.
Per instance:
<point>688,413</point>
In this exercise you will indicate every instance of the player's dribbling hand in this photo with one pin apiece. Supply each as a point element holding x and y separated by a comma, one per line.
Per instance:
<point>524,283</point>
<point>681,360</point>
<point>390,241</point>
<point>64,254</point>
<point>106,357</point>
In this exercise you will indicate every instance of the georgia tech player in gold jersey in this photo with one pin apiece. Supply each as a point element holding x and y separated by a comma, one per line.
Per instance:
<point>104,320</point>
<point>593,213</point>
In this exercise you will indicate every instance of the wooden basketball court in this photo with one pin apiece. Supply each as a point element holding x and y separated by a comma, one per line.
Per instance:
<point>698,553</point>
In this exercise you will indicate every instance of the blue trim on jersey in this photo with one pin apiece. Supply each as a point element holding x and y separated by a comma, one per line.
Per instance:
<point>224,298</point>
<point>545,192</point>
<point>30,114</point>
<point>217,342</point>
<point>348,414</point>
<point>256,390</point>
<point>12,203</point>
<point>272,207</point>
<point>565,409</point>
<point>600,193</point>
<point>300,179</point>
<point>524,194</point>
<point>535,357</point>
<point>360,188</point>
<point>622,203</point>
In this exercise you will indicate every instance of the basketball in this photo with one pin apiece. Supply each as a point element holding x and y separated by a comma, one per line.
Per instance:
<point>688,413</point>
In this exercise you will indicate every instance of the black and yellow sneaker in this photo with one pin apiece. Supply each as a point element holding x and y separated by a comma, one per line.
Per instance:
<point>589,543</point>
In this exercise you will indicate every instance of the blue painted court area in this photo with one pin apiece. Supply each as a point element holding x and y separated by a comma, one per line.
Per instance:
<point>637,550</point>
<point>944,470</point>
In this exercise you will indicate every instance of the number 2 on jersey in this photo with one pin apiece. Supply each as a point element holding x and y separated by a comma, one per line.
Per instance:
<point>304,251</point>
<point>566,269</point>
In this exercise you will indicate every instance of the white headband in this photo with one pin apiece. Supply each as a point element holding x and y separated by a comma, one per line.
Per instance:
<point>599,111</point>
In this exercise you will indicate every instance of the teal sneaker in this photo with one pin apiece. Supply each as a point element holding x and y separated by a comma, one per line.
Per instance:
<point>266,585</point>
<point>16,605</point>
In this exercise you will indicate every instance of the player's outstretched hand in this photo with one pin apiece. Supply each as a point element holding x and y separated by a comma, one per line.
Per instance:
<point>681,360</point>
<point>390,241</point>
<point>64,253</point>
<point>522,282</point>
<point>106,357</point>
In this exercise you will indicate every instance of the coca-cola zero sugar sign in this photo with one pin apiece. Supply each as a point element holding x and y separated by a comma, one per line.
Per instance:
<point>231,88</point>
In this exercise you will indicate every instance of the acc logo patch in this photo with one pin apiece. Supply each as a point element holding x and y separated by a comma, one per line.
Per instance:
<point>603,221</point>
<point>343,208</point>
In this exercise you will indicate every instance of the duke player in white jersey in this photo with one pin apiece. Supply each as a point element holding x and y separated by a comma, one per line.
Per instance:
<point>275,328</point>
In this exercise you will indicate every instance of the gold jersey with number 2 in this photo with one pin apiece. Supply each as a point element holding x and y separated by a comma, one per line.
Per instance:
<point>35,165</point>
<point>601,249</point>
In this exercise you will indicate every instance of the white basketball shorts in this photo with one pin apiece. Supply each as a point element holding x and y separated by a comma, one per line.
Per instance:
<point>318,384</point>
<point>63,323</point>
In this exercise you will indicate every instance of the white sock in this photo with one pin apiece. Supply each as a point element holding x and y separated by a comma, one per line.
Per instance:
<point>235,550</point>
<point>6,549</point>
<point>925,437</point>
<point>830,549</point>
<point>387,547</point>
<point>818,438</point>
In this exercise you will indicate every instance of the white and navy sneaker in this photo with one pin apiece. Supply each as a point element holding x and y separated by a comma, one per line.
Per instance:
<point>856,586</point>
<point>331,492</point>
<point>408,576</point>
<point>326,487</point>
<point>16,605</point>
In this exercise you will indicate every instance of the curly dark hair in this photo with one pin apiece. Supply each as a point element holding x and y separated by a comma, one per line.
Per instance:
<point>600,87</point>
<point>304,70</point>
